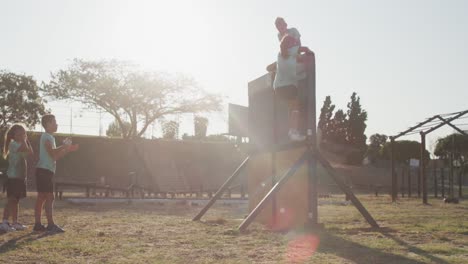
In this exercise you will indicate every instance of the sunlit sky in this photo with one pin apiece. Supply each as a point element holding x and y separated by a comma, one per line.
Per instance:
<point>407,60</point>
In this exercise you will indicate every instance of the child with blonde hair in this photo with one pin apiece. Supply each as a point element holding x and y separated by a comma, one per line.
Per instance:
<point>16,149</point>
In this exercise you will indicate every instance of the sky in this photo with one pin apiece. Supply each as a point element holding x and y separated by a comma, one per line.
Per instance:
<point>406,60</point>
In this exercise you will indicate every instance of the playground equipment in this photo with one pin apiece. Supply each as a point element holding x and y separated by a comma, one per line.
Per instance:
<point>424,128</point>
<point>290,200</point>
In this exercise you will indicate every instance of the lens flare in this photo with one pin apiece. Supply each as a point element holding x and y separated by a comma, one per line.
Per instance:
<point>301,248</point>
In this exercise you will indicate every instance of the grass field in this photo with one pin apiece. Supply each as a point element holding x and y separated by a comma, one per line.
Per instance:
<point>163,233</point>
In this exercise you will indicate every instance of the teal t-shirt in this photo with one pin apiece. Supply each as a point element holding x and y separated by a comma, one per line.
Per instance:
<point>45,160</point>
<point>288,70</point>
<point>17,165</point>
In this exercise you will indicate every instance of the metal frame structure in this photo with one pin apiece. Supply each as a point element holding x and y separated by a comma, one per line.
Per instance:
<point>423,128</point>
<point>310,158</point>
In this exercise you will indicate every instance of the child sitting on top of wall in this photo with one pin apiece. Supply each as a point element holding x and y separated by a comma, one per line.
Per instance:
<point>290,68</point>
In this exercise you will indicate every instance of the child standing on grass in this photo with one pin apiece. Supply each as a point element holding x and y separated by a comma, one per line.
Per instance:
<point>45,170</point>
<point>16,149</point>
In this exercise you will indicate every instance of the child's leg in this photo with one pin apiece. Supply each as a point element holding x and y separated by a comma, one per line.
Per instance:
<point>294,115</point>
<point>41,197</point>
<point>49,207</point>
<point>14,203</point>
<point>6,211</point>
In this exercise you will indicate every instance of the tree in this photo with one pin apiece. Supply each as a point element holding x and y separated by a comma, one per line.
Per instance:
<point>20,100</point>
<point>377,141</point>
<point>325,119</point>
<point>170,129</point>
<point>337,128</point>
<point>404,150</point>
<point>128,94</point>
<point>356,124</point>
<point>201,126</point>
<point>114,129</point>
<point>454,143</point>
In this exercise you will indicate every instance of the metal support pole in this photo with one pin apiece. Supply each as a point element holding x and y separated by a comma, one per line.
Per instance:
<point>221,190</point>
<point>312,138</point>
<point>434,172</point>
<point>392,159</point>
<point>409,182</point>
<point>460,183</point>
<point>442,179</point>
<point>249,219</point>
<point>422,167</point>
<point>346,190</point>
<point>402,184</point>
<point>451,194</point>
<point>273,158</point>
<point>419,180</point>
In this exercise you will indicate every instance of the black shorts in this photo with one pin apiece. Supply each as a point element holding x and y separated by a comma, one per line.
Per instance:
<point>287,93</point>
<point>44,182</point>
<point>292,92</point>
<point>16,188</point>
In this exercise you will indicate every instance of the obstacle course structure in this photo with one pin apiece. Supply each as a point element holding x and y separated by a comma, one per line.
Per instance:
<point>271,198</point>
<point>424,128</point>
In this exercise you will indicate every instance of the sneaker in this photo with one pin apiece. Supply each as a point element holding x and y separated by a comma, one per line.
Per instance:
<point>54,229</point>
<point>295,136</point>
<point>18,226</point>
<point>39,227</point>
<point>6,227</point>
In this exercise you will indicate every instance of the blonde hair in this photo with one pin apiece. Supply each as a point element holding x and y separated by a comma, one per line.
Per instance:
<point>9,135</point>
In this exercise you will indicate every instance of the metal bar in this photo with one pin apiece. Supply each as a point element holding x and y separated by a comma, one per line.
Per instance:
<point>346,190</point>
<point>448,114</point>
<point>414,127</point>
<point>313,194</point>
<point>248,220</point>
<point>460,180</point>
<point>446,121</point>
<point>409,182</point>
<point>422,167</point>
<point>312,138</point>
<point>451,194</point>
<point>221,190</point>
<point>434,172</point>
<point>419,181</point>
<point>453,126</point>
<point>442,178</point>
<point>273,157</point>
<point>402,184</point>
<point>392,160</point>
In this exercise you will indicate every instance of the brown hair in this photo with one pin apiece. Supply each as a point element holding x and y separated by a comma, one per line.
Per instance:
<point>46,119</point>
<point>9,135</point>
<point>279,20</point>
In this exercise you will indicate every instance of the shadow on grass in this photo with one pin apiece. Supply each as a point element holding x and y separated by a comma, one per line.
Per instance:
<point>413,249</point>
<point>358,253</point>
<point>16,242</point>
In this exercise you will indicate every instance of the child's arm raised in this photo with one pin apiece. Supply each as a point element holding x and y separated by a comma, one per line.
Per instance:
<point>26,148</point>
